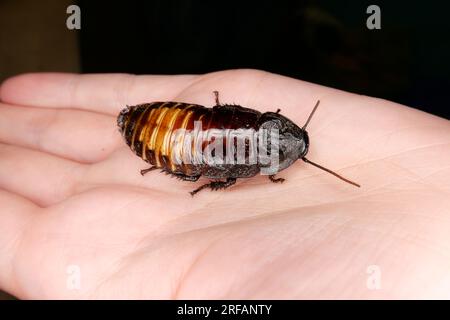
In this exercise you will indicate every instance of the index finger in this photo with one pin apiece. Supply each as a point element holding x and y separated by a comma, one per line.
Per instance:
<point>104,93</point>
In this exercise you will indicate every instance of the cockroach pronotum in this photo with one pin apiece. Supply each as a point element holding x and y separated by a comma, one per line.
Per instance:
<point>167,135</point>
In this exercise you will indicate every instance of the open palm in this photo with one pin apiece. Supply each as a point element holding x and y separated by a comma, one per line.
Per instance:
<point>73,203</point>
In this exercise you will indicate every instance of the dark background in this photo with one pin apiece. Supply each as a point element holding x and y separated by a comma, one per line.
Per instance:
<point>325,42</point>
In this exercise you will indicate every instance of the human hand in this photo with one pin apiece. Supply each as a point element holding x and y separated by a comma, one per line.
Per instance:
<point>71,195</point>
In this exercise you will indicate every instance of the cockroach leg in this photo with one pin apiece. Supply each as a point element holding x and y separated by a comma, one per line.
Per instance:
<point>185,177</point>
<point>180,176</point>
<point>216,95</point>
<point>215,185</point>
<point>144,171</point>
<point>276,180</point>
<point>193,193</point>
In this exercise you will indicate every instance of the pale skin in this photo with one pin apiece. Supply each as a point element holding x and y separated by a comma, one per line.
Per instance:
<point>72,197</point>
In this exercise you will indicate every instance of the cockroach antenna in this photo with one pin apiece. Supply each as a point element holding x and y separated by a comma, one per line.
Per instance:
<point>310,115</point>
<point>332,172</point>
<point>318,165</point>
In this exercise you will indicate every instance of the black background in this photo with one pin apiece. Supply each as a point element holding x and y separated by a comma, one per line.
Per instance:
<point>169,309</point>
<point>325,42</point>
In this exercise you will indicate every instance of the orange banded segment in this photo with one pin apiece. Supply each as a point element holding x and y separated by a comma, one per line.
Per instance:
<point>151,132</point>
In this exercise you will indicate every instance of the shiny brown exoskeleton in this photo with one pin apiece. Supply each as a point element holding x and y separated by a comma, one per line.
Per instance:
<point>149,129</point>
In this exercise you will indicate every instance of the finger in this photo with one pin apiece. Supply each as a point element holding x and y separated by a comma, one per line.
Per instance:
<point>15,215</point>
<point>110,93</point>
<point>74,134</point>
<point>40,177</point>
<point>46,179</point>
<point>107,93</point>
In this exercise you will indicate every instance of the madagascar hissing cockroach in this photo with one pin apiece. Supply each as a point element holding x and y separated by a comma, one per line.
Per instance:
<point>222,143</point>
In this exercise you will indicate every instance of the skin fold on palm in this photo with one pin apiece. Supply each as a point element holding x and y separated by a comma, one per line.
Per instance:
<point>71,195</point>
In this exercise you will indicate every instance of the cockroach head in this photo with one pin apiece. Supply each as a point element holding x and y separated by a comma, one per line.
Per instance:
<point>293,141</point>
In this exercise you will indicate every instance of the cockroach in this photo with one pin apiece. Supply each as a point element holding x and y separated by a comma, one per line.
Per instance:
<point>164,135</point>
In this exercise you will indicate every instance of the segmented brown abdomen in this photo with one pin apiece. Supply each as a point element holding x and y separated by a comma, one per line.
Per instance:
<point>148,128</point>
